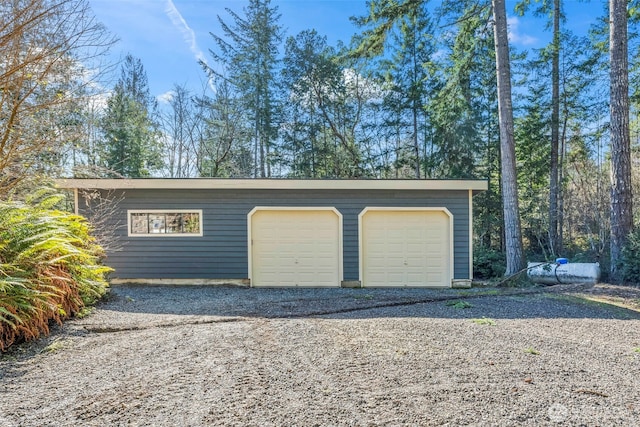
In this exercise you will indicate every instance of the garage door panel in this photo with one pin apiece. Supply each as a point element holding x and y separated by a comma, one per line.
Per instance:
<point>415,249</point>
<point>416,277</point>
<point>417,261</point>
<point>405,248</point>
<point>393,279</point>
<point>295,247</point>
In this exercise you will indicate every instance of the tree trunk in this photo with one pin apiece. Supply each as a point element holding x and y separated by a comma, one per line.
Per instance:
<point>621,194</point>
<point>513,236</point>
<point>416,106</point>
<point>416,146</point>
<point>554,187</point>
<point>562,155</point>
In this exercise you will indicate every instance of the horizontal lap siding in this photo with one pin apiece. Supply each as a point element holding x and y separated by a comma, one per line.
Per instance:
<point>221,253</point>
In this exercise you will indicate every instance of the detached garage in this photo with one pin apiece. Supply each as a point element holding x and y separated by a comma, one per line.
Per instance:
<point>280,232</point>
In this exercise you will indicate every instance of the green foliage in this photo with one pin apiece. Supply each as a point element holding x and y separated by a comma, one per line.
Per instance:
<point>248,48</point>
<point>465,106</point>
<point>411,78</point>
<point>49,268</point>
<point>326,110</point>
<point>56,345</point>
<point>382,18</point>
<point>459,304</point>
<point>488,263</point>
<point>132,148</point>
<point>313,76</point>
<point>532,151</point>
<point>485,321</point>
<point>629,262</point>
<point>532,350</point>
<point>518,280</point>
<point>224,136</point>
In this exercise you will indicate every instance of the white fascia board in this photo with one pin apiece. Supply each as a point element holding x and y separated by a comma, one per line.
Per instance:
<point>272,184</point>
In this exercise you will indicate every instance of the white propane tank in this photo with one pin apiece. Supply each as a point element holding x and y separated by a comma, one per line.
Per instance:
<point>561,271</point>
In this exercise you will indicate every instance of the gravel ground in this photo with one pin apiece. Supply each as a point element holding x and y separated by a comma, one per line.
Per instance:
<point>198,356</point>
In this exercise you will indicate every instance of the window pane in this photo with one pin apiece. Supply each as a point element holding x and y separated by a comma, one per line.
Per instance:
<point>157,223</point>
<point>191,223</point>
<point>139,224</point>
<point>174,223</point>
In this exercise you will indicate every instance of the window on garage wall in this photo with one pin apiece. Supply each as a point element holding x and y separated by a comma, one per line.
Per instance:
<point>146,223</point>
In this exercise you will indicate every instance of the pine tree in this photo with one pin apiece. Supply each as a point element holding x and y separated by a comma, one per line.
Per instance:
<point>383,16</point>
<point>554,11</point>
<point>621,193</point>
<point>463,106</point>
<point>410,73</point>
<point>248,49</point>
<point>131,141</point>
<point>310,75</point>
<point>513,235</point>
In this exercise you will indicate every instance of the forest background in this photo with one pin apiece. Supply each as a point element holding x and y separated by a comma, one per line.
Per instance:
<point>412,95</point>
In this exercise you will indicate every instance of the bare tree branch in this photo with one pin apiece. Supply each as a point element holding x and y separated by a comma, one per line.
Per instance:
<point>46,51</point>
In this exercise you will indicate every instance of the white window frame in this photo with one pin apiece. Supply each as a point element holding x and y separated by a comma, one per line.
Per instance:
<point>164,211</point>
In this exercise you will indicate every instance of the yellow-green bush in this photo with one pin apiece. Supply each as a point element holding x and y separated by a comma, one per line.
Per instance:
<point>49,268</point>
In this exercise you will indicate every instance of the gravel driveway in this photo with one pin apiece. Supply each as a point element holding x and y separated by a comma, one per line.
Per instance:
<point>198,356</point>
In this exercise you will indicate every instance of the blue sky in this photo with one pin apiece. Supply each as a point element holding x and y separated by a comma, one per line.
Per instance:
<point>170,35</point>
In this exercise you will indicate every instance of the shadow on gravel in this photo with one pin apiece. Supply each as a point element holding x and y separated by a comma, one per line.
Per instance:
<point>500,303</point>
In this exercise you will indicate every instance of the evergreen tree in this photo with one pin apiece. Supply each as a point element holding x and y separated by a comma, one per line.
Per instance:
<point>411,76</point>
<point>554,11</point>
<point>578,108</point>
<point>511,210</point>
<point>310,76</point>
<point>248,49</point>
<point>466,102</point>
<point>131,137</point>
<point>329,100</point>
<point>621,192</point>
<point>382,18</point>
<point>532,152</point>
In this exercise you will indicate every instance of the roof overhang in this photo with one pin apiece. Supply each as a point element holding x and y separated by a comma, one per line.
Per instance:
<point>270,184</point>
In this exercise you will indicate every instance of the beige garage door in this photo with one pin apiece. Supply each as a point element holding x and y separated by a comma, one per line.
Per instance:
<point>405,248</point>
<point>295,247</point>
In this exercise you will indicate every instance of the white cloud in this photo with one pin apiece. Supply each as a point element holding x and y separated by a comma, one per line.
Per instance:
<point>188,34</point>
<point>166,97</point>
<point>515,36</point>
<point>189,37</point>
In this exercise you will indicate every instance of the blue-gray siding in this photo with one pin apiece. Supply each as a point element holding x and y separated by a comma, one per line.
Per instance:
<point>222,252</point>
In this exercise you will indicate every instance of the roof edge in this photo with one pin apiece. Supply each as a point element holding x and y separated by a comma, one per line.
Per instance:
<point>270,184</point>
